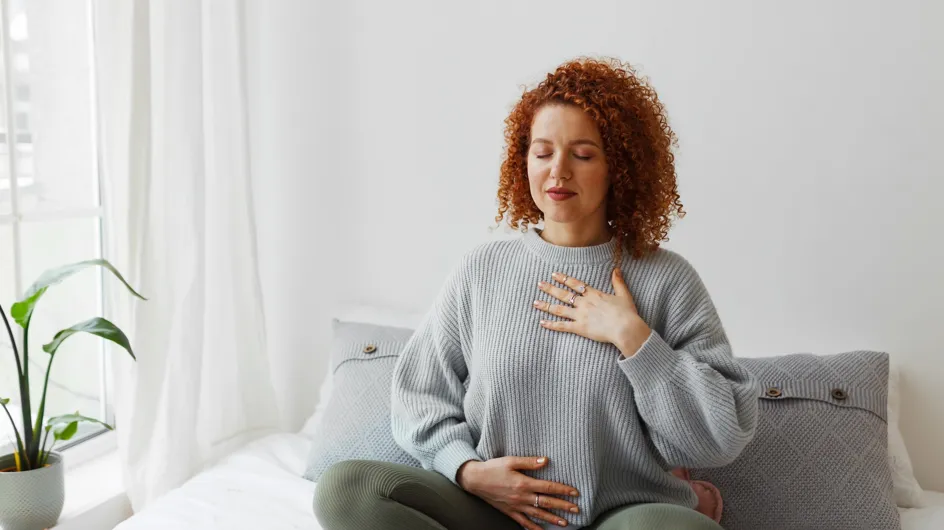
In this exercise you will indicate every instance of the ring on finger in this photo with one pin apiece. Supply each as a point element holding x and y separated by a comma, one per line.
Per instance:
<point>573,299</point>
<point>537,500</point>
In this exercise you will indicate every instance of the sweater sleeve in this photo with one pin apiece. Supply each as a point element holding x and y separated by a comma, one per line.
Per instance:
<point>426,398</point>
<point>699,404</point>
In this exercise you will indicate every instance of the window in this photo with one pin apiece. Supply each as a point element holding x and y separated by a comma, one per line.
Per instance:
<point>50,209</point>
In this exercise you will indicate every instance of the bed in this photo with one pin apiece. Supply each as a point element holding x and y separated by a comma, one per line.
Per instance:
<point>260,487</point>
<point>257,487</point>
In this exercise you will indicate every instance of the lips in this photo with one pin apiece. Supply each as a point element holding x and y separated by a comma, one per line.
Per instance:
<point>560,194</point>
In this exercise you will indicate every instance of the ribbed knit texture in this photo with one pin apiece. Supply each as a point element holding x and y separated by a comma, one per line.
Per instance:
<point>367,494</point>
<point>481,379</point>
<point>357,495</point>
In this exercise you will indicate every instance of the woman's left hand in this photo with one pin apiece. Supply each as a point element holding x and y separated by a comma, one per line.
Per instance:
<point>596,315</point>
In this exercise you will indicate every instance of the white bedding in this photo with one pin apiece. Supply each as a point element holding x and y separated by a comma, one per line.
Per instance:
<point>260,488</point>
<point>930,517</point>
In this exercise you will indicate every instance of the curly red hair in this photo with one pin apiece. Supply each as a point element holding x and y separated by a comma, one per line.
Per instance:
<point>637,143</point>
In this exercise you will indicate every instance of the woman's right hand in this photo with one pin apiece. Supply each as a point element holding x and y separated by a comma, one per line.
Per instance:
<point>498,482</point>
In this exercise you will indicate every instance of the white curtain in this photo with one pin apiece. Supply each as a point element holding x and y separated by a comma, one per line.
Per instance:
<point>176,183</point>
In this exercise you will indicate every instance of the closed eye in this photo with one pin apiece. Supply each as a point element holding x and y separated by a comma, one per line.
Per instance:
<point>578,157</point>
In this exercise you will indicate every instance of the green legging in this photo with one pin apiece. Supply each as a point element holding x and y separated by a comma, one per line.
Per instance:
<point>368,495</point>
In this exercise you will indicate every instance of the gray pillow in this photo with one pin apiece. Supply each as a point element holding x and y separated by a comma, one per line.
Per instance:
<point>356,422</point>
<point>819,458</point>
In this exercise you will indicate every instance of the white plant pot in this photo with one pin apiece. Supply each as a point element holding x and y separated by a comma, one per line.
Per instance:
<point>31,500</point>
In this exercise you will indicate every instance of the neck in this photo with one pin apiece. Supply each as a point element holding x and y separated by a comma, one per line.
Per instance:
<point>575,234</point>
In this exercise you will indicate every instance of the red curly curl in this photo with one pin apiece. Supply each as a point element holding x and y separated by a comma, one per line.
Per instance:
<point>637,142</point>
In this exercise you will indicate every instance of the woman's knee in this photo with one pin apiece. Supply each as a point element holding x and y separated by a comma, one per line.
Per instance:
<point>341,486</point>
<point>648,516</point>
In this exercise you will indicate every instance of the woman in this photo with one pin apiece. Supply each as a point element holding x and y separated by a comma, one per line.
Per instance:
<point>561,376</point>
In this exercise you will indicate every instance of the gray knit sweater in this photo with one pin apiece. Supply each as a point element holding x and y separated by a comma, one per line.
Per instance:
<point>481,379</point>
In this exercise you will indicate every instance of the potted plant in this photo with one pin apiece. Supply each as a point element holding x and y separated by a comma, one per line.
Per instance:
<point>31,479</point>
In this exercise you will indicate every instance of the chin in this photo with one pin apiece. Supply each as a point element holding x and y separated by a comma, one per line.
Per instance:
<point>557,216</point>
<point>564,213</point>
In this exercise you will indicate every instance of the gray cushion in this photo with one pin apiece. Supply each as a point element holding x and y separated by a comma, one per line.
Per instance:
<point>819,458</point>
<point>356,422</point>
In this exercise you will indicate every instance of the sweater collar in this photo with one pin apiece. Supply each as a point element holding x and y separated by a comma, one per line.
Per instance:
<point>592,254</point>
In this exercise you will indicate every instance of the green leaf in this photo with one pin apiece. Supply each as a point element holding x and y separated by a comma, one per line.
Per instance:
<point>96,326</point>
<point>65,431</point>
<point>4,401</point>
<point>69,419</point>
<point>23,310</point>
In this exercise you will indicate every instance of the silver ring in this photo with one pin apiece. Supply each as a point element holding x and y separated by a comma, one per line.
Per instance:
<point>537,500</point>
<point>573,299</point>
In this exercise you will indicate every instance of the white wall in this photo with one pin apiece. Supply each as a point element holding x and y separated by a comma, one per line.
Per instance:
<point>810,163</point>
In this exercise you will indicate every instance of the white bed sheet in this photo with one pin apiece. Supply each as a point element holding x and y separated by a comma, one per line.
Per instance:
<point>929,517</point>
<point>260,487</point>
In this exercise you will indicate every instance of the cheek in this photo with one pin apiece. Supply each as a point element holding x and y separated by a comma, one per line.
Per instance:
<point>534,184</point>
<point>596,181</point>
<point>534,169</point>
<point>535,176</point>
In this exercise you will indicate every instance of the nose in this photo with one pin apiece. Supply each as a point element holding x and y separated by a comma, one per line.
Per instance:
<point>560,169</point>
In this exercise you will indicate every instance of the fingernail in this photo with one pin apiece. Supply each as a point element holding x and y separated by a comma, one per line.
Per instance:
<point>574,509</point>
<point>541,283</point>
<point>537,303</point>
<point>555,274</point>
<point>541,460</point>
<point>573,493</point>
<point>562,522</point>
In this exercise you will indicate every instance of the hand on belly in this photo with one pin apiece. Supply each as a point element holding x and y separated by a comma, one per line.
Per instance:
<point>498,482</point>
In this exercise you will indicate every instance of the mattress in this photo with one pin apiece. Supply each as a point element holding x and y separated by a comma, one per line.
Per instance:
<point>260,487</point>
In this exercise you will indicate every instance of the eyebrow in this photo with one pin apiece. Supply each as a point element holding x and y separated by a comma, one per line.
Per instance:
<point>582,141</point>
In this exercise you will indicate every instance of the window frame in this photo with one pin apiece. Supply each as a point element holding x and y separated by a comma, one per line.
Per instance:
<point>103,441</point>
